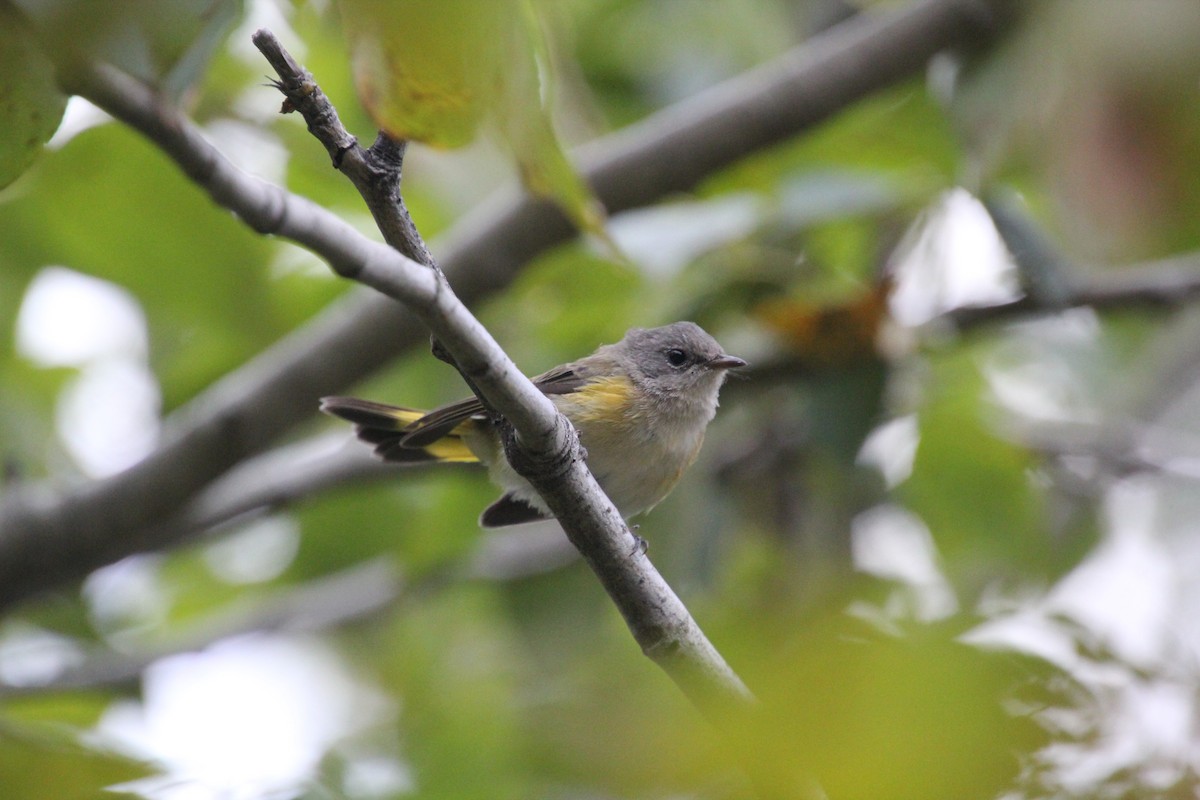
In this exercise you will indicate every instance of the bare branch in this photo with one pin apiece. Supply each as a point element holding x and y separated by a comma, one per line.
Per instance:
<point>375,172</point>
<point>278,479</point>
<point>546,451</point>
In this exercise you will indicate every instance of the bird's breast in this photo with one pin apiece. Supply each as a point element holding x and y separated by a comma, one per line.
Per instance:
<point>637,449</point>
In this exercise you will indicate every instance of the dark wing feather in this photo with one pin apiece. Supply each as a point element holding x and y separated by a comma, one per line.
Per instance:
<point>367,413</point>
<point>508,510</point>
<point>380,425</point>
<point>561,380</point>
<point>439,422</point>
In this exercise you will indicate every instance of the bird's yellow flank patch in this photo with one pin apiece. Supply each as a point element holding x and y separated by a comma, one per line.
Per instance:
<point>602,400</point>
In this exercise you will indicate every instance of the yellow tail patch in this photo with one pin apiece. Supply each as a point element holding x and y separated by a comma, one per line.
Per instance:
<point>405,416</point>
<point>451,448</point>
<point>385,427</point>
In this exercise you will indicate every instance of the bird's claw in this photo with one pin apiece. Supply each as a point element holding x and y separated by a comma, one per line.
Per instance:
<point>640,545</point>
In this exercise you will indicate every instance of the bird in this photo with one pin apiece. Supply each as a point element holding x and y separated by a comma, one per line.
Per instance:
<point>641,407</point>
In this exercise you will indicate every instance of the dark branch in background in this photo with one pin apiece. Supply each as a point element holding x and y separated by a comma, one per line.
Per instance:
<point>1040,268</point>
<point>280,478</point>
<point>1164,284</point>
<point>1132,439</point>
<point>358,594</point>
<point>353,594</point>
<point>48,539</point>
<point>1154,285</point>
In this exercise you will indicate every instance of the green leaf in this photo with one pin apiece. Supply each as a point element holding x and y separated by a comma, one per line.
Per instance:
<point>435,71</point>
<point>427,71</point>
<point>30,104</point>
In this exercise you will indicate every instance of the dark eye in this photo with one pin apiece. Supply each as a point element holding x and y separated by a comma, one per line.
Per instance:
<point>676,358</point>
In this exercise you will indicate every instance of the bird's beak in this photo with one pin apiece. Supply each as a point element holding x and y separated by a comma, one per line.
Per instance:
<point>725,361</point>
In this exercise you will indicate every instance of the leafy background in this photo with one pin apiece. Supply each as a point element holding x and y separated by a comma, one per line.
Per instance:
<point>951,561</point>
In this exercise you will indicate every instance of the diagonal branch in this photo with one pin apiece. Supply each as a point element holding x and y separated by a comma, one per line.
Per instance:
<point>47,539</point>
<point>546,449</point>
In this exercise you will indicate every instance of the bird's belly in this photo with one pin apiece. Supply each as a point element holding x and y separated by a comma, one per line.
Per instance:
<point>637,478</point>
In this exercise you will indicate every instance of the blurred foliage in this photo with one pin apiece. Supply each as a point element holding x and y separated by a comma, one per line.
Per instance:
<point>43,754</point>
<point>434,71</point>
<point>1099,107</point>
<point>873,502</point>
<point>165,43</point>
<point>916,705</point>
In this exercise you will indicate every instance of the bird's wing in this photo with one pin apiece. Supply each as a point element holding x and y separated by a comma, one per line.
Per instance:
<point>441,421</point>
<point>562,380</point>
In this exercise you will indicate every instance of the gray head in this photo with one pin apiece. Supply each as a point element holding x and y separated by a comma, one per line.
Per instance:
<point>677,358</point>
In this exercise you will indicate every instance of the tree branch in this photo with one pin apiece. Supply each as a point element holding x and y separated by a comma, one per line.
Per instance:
<point>46,539</point>
<point>545,449</point>
<point>376,172</point>
<point>1153,285</point>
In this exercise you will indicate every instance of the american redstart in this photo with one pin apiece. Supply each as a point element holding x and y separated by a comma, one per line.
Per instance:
<point>641,407</point>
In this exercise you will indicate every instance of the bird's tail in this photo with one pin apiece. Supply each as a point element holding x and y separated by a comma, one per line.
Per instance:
<point>387,426</point>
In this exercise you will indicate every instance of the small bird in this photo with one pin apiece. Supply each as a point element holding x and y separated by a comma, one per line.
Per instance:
<point>641,407</point>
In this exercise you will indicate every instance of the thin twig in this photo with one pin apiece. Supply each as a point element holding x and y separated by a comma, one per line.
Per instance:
<point>376,172</point>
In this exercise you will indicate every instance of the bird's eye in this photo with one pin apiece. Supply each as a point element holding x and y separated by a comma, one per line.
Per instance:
<point>676,358</point>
